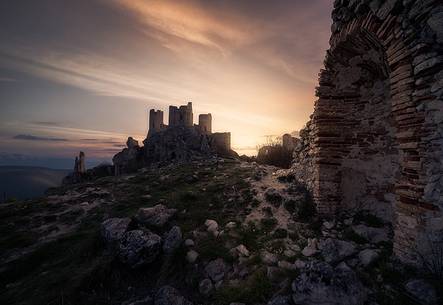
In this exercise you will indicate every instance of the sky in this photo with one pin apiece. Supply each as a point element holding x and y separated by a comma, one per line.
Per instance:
<point>82,75</point>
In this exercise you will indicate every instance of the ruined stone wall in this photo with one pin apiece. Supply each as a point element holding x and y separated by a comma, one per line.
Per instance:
<point>220,141</point>
<point>375,138</point>
<point>205,123</point>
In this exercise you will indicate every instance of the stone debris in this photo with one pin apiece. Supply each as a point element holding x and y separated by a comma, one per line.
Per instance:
<point>139,247</point>
<point>113,229</point>
<point>191,256</point>
<point>172,240</point>
<point>205,287</point>
<point>216,270</point>
<point>335,250</point>
<point>311,249</point>
<point>373,235</point>
<point>368,256</point>
<point>168,295</point>
<point>156,216</point>
<point>321,284</point>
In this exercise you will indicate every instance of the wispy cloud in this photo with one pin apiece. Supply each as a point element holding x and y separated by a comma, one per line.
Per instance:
<point>28,137</point>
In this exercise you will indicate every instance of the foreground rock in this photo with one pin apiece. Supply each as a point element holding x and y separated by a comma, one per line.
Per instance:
<point>321,284</point>
<point>139,247</point>
<point>335,250</point>
<point>168,295</point>
<point>113,229</point>
<point>173,240</point>
<point>156,216</point>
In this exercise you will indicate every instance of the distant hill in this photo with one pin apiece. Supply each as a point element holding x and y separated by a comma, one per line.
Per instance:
<point>24,182</point>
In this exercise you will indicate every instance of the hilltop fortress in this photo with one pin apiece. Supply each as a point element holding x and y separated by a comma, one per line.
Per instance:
<point>180,140</point>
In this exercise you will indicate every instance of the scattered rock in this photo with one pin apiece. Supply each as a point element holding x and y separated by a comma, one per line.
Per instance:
<point>368,256</point>
<point>311,248</point>
<point>212,227</point>
<point>374,235</point>
<point>300,264</point>
<point>286,265</point>
<point>189,243</point>
<point>321,284</point>
<point>230,225</point>
<point>191,256</point>
<point>168,295</point>
<point>422,291</point>
<point>156,216</point>
<point>335,250</point>
<point>205,287</point>
<point>216,269</point>
<point>329,224</point>
<point>139,247</point>
<point>173,240</point>
<point>113,229</point>
<point>268,258</point>
<point>280,300</point>
<point>242,250</point>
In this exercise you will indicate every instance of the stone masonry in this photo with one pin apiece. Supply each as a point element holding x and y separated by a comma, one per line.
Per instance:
<point>375,139</point>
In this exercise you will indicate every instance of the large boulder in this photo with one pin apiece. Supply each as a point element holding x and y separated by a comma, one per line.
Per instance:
<point>373,235</point>
<point>335,250</point>
<point>321,284</point>
<point>216,270</point>
<point>168,295</point>
<point>113,229</point>
<point>173,240</point>
<point>139,247</point>
<point>156,216</point>
<point>368,256</point>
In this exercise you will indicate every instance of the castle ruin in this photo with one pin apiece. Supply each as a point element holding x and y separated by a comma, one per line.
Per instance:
<point>182,116</point>
<point>179,141</point>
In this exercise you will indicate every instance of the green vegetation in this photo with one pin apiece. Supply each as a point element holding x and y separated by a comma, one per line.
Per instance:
<point>74,268</point>
<point>257,289</point>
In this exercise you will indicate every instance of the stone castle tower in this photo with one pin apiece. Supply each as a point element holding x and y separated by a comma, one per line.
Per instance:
<point>155,121</point>
<point>181,116</point>
<point>205,123</point>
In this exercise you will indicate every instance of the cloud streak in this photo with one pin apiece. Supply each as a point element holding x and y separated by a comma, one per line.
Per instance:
<point>28,137</point>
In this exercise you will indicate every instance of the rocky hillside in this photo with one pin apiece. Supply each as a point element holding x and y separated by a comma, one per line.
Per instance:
<point>208,232</point>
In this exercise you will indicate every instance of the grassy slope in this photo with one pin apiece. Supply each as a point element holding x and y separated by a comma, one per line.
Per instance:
<point>74,266</point>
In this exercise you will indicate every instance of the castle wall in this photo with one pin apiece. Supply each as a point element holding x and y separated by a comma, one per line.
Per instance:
<point>205,123</point>
<point>375,138</point>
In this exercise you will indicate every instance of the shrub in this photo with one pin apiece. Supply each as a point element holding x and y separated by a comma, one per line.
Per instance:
<point>273,153</point>
<point>268,224</point>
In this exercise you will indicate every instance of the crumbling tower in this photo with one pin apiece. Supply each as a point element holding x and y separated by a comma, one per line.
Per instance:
<point>205,123</point>
<point>80,167</point>
<point>155,121</point>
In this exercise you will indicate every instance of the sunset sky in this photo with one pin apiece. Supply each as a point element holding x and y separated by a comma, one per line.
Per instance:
<point>81,74</point>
